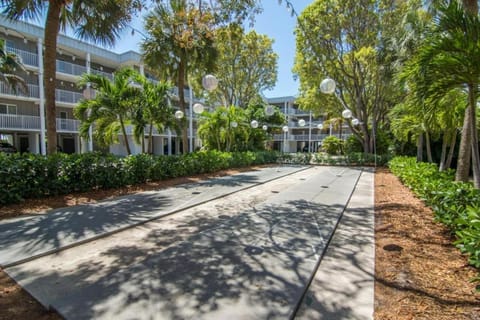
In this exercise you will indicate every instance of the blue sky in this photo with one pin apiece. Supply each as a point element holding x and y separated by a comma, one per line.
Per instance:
<point>275,22</point>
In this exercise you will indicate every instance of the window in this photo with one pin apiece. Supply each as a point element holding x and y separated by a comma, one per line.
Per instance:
<point>8,109</point>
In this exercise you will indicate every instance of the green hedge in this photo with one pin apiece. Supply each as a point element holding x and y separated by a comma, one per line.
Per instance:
<point>24,176</point>
<point>456,204</point>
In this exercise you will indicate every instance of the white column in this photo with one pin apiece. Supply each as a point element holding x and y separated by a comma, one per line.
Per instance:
<point>169,141</point>
<point>90,132</point>
<point>43,147</point>
<point>142,69</point>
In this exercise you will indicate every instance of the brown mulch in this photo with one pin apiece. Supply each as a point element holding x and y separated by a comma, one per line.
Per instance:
<point>419,274</point>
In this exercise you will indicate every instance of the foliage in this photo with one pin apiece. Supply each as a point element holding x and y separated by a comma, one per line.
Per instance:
<point>352,145</point>
<point>456,204</point>
<point>10,66</point>
<point>332,145</point>
<point>333,40</point>
<point>24,176</point>
<point>229,128</point>
<point>248,66</point>
<point>111,108</point>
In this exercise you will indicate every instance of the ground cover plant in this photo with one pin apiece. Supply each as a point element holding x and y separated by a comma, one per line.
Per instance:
<point>456,204</point>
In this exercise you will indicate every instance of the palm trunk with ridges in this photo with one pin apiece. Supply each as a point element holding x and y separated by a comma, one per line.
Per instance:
<point>49,65</point>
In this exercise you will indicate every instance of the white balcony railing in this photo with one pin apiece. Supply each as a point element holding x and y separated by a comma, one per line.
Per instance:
<point>67,125</point>
<point>304,137</point>
<point>70,68</point>
<point>8,121</point>
<point>32,123</point>
<point>67,96</point>
<point>32,91</point>
<point>102,73</point>
<point>27,58</point>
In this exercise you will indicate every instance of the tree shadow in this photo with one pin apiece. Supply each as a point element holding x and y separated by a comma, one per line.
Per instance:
<point>254,263</point>
<point>25,238</point>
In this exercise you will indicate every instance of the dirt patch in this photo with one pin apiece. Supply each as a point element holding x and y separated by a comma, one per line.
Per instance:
<point>419,274</point>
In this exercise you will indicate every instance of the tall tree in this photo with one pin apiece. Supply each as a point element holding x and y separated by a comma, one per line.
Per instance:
<point>99,21</point>
<point>449,60</point>
<point>111,110</point>
<point>248,66</point>
<point>345,40</point>
<point>180,38</point>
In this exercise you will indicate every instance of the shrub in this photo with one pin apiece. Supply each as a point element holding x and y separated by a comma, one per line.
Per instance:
<point>25,176</point>
<point>332,145</point>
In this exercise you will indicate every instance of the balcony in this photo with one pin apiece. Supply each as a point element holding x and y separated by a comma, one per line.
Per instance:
<point>67,96</point>
<point>101,73</point>
<point>27,58</point>
<point>304,137</point>
<point>32,123</point>
<point>70,68</point>
<point>33,91</point>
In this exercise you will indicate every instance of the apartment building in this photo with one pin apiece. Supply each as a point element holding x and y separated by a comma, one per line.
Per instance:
<point>22,122</point>
<point>304,134</point>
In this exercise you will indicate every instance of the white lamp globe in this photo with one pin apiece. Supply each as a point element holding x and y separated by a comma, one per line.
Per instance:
<point>355,122</point>
<point>301,123</point>
<point>210,82</point>
<point>347,114</point>
<point>285,128</point>
<point>320,126</point>
<point>179,114</point>
<point>254,124</point>
<point>327,86</point>
<point>233,124</point>
<point>198,108</point>
<point>265,127</point>
<point>269,110</point>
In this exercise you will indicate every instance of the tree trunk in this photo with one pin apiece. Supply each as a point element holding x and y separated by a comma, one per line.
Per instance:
<point>429,149</point>
<point>472,94</point>
<point>471,6</point>
<point>125,137</point>
<point>443,156</point>
<point>52,26</point>
<point>420,147</point>
<point>181,96</point>
<point>150,139</point>
<point>465,149</point>
<point>451,152</point>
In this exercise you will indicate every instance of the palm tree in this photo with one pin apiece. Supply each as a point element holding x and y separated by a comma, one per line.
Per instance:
<point>180,38</point>
<point>451,59</point>
<point>10,65</point>
<point>111,109</point>
<point>154,109</point>
<point>89,22</point>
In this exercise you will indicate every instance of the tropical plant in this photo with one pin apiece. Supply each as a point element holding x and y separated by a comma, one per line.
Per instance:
<point>111,109</point>
<point>153,109</point>
<point>450,59</point>
<point>92,20</point>
<point>332,145</point>
<point>10,66</point>
<point>179,38</point>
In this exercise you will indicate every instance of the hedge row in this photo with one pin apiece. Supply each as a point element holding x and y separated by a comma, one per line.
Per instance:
<point>456,204</point>
<point>24,176</point>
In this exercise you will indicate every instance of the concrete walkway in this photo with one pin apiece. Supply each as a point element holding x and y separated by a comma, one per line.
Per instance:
<point>247,255</point>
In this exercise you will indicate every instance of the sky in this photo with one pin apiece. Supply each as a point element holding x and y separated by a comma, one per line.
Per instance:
<point>275,22</point>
